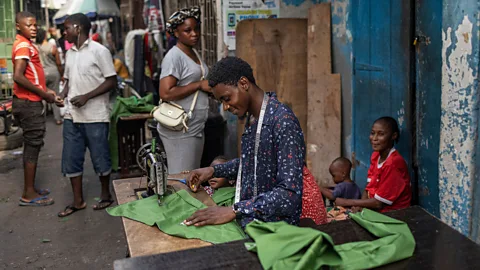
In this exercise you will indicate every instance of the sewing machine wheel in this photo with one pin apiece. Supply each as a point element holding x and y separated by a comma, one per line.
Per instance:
<point>144,151</point>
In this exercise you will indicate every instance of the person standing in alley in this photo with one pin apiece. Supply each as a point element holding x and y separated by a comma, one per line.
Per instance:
<point>89,76</point>
<point>28,92</point>
<point>52,66</point>
<point>183,81</point>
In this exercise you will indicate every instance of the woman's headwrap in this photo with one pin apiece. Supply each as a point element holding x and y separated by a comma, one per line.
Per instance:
<point>180,16</point>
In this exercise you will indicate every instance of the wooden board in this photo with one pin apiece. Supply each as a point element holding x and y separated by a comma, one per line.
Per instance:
<point>324,97</point>
<point>277,51</point>
<point>324,126</point>
<point>145,240</point>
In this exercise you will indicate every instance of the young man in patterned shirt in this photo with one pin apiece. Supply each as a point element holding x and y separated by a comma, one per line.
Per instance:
<point>276,192</point>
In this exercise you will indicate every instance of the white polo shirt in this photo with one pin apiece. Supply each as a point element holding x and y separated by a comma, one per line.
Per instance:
<point>86,69</point>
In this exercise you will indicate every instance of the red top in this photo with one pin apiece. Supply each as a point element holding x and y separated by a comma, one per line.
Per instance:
<point>95,37</point>
<point>312,201</point>
<point>389,182</point>
<point>24,49</point>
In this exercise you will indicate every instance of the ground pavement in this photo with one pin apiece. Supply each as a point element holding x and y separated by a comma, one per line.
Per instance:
<point>34,237</point>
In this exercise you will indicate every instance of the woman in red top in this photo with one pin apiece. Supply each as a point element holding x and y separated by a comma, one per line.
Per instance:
<point>388,186</point>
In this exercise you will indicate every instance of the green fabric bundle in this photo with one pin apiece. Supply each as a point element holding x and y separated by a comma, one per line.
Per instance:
<point>170,215</point>
<point>125,107</point>
<point>224,196</point>
<point>283,246</point>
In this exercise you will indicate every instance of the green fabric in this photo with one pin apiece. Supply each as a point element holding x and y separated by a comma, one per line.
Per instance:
<point>125,107</point>
<point>283,246</point>
<point>170,215</point>
<point>224,196</point>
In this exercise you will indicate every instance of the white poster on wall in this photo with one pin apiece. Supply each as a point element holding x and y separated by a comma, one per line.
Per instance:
<point>237,10</point>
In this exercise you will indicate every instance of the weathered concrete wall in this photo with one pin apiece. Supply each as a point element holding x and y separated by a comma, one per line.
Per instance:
<point>459,113</point>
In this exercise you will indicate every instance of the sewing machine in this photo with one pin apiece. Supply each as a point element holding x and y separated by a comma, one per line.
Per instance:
<point>152,159</point>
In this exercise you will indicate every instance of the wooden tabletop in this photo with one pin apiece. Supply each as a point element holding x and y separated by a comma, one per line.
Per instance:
<point>136,116</point>
<point>145,240</point>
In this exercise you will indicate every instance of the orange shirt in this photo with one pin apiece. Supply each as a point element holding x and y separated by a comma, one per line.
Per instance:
<point>24,49</point>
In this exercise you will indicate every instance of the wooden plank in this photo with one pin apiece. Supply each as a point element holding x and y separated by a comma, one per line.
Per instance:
<point>145,240</point>
<point>324,97</point>
<point>277,51</point>
<point>319,52</point>
<point>324,126</point>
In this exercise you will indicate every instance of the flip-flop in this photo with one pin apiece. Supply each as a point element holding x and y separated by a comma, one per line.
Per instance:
<point>37,202</point>
<point>43,191</point>
<point>106,203</point>
<point>64,213</point>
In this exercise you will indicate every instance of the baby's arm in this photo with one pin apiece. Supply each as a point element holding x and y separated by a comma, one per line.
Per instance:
<point>326,192</point>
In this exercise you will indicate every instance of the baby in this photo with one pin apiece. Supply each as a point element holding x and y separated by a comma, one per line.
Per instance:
<point>216,183</point>
<point>345,188</point>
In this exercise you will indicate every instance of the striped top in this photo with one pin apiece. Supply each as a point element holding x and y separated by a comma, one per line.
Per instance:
<point>24,49</point>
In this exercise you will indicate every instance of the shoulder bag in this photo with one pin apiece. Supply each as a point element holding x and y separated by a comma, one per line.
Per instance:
<point>171,115</point>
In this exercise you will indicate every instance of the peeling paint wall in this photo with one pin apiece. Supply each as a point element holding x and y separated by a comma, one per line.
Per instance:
<point>296,8</point>
<point>459,109</point>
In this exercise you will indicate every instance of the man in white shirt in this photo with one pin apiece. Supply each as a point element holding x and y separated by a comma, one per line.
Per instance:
<point>89,76</point>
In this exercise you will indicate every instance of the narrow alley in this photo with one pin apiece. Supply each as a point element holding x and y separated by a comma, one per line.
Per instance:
<point>34,237</point>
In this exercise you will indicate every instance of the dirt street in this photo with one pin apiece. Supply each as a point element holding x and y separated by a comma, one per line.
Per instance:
<point>34,237</point>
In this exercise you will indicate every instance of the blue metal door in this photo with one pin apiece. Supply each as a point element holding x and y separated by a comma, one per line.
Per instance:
<point>428,49</point>
<point>382,75</point>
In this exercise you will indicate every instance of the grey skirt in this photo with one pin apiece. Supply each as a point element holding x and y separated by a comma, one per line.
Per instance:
<point>183,154</point>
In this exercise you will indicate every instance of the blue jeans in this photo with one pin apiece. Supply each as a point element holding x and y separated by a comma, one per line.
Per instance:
<point>76,138</point>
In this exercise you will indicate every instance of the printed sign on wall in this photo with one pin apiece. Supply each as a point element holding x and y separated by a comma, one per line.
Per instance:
<point>238,10</point>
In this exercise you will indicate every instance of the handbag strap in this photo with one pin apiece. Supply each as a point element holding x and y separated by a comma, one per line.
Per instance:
<point>196,93</point>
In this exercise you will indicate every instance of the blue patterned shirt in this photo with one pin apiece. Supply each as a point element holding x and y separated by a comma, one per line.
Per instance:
<point>281,156</point>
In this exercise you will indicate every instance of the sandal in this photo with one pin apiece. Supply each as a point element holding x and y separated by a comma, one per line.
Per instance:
<point>70,209</point>
<point>102,204</point>
<point>40,201</point>
<point>43,191</point>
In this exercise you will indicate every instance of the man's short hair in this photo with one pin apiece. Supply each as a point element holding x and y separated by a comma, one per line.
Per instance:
<point>22,15</point>
<point>82,20</point>
<point>229,70</point>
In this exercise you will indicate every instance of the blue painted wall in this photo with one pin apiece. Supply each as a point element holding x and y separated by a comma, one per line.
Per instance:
<point>459,113</point>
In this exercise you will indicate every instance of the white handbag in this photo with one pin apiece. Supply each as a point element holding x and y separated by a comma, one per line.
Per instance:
<point>171,115</point>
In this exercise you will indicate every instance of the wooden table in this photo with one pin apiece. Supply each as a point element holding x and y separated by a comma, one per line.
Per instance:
<point>438,246</point>
<point>143,239</point>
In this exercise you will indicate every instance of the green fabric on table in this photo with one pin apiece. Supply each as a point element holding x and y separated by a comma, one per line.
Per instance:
<point>224,196</point>
<point>170,215</point>
<point>283,246</point>
<point>395,242</point>
<point>125,107</point>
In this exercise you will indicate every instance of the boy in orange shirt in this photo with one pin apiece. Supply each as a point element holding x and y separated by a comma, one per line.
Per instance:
<point>29,90</point>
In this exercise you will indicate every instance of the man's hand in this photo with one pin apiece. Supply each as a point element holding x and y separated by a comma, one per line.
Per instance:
<point>50,96</point>
<point>59,101</point>
<point>214,215</point>
<point>199,176</point>
<point>79,101</point>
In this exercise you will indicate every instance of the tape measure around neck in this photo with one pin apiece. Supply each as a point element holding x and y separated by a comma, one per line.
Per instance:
<point>238,188</point>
